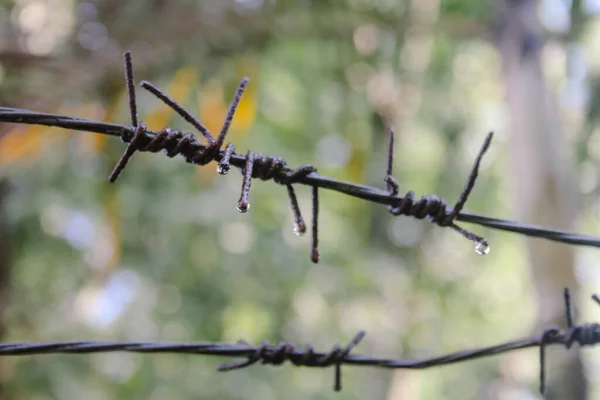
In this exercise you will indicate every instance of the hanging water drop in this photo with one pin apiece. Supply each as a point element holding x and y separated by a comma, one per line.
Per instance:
<point>223,169</point>
<point>482,248</point>
<point>243,206</point>
<point>299,228</point>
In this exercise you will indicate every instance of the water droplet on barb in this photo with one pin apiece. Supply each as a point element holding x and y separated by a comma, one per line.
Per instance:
<point>243,206</point>
<point>223,169</point>
<point>482,248</point>
<point>299,228</point>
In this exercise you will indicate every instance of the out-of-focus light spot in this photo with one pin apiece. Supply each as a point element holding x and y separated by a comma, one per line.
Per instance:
<point>117,367</point>
<point>554,60</point>
<point>366,39</point>
<point>283,96</point>
<point>365,311</point>
<point>467,66</point>
<point>361,5</point>
<point>180,331</point>
<point>405,232</point>
<point>381,89</point>
<point>250,4</point>
<point>555,15</point>
<point>40,44</point>
<point>164,392</point>
<point>331,101</point>
<point>311,308</point>
<point>594,144</point>
<point>32,17</point>
<point>248,320</point>
<point>54,219</point>
<point>588,177</point>
<point>100,254</point>
<point>169,367</point>
<point>169,300</point>
<point>79,231</point>
<point>358,75</point>
<point>416,53</point>
<point>92,35</point>
<point>98,307</point>
<point>591,6</point>
<point>333,151</point>
<point>86,11</point>
<point>236,237</point>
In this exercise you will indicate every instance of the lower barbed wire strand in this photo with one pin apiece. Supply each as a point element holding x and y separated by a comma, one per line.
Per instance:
<point>582,334</point>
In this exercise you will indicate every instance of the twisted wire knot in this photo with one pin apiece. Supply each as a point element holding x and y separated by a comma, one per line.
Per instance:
<point>582,334</point>
<point>433,207</point>
<point>277,355</point>
<point>174,142</point>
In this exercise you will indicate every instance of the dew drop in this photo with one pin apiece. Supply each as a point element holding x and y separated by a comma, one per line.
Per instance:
<point>223,169</point>
<point>299,228</point>
<point>243,206</point>
<point>482,248</point>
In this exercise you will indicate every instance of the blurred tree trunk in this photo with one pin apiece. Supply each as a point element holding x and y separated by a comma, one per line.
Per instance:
<point>541,177</point>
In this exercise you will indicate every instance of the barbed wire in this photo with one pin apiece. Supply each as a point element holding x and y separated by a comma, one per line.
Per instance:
<point>582,334</point>
<point>254,165</point>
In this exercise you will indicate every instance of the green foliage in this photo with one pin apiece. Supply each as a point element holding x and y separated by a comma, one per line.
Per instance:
<point>164,255</point>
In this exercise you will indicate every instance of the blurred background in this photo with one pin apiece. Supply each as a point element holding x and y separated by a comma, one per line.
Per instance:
<point>164,255</point>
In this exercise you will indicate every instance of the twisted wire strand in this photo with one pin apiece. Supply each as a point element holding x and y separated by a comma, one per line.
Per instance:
<point>175,143</point>
<point>431,206</point>
<point>582,334</point>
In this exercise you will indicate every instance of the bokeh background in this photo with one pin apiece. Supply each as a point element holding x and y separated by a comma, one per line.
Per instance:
<point>164,255</point>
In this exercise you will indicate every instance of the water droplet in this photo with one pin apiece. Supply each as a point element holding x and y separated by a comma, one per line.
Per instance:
<point>243,206</point>
<point>299,228</point>
<point>223,169</point>
<point>482,248</point>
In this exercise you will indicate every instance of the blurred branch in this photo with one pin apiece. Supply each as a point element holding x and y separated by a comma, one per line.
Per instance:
<point>584,335</point>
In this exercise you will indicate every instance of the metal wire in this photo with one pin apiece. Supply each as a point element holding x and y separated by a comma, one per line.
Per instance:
<point>254,165</point>
<point>584,335</point>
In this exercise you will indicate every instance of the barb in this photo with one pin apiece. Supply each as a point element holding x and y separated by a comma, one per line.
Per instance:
<point>584,335</point>
<point>174,143</point>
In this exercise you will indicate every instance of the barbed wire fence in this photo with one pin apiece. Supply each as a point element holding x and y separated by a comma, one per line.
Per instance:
<point>254,165</point>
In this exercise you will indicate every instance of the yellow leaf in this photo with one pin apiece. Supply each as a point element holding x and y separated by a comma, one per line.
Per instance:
<point>181,86</point>
<point>21,144</point>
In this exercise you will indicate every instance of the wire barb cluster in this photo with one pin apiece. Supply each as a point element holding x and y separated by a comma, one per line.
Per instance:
<point>582,334</point>
<point>432,206</point>
<point>255,165</point>
<point>174,143</point>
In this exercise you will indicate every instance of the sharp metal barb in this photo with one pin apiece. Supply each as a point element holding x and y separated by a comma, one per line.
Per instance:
<point>232,109</point>
<point>243,204</point>
<point>130,82</point>
<point>299,225</point>
<point>180,110</point>
<point>568,308</point>
<point>314,251</point>
<point>472,178</point>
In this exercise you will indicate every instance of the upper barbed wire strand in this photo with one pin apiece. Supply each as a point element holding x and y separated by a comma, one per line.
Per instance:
<point>139,138</point>
<point>371,194</point>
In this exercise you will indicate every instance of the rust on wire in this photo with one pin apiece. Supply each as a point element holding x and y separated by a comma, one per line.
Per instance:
<point>582,334</point>
<point>175,143</point>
